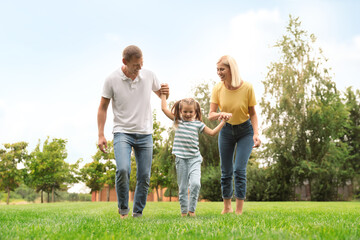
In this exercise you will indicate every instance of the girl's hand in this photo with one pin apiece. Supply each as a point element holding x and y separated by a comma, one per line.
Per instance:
<point>225,116</point>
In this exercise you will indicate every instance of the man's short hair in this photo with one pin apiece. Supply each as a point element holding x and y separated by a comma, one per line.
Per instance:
<point>131,51</point>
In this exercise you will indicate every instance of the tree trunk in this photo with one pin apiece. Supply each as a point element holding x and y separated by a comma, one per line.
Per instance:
<point>157,193</point>
<point>108,194</point>
<point>52,194</point>
<point>42,196</point>
<point>170,194</point>
<point>8,195</point>
<point>48,200</point>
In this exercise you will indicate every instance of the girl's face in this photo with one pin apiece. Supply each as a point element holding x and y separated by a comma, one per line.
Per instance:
<point>188,112</point>
<point>223,71</point>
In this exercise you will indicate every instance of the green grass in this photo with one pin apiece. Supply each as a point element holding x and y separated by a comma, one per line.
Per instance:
<point>260,220</point>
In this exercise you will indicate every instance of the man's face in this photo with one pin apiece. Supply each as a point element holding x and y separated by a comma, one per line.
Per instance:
<point>134,65</point>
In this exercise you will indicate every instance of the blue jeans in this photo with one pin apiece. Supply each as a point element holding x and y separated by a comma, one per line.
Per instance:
<point>143,148</point>
<point>188,172</point>
<point>233,138</point>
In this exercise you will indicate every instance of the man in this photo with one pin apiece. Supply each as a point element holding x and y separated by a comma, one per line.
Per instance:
<point>129,87</point>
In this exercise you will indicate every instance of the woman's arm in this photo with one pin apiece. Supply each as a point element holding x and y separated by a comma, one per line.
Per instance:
<point>254,122</point>
<point>213,132</point>
<point>165,109</point>
<point>214,115</point>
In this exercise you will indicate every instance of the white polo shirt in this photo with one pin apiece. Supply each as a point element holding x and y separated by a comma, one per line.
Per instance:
<point>131,100</point>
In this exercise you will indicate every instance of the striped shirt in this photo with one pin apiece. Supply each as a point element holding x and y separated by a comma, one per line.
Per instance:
<point>186,141</point>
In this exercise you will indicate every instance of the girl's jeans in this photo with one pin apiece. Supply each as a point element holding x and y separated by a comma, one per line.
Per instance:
<point>188,172</point>
<point>239,139</point>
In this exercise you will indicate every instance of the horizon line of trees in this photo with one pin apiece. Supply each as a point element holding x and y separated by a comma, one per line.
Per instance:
<point>311,130</point>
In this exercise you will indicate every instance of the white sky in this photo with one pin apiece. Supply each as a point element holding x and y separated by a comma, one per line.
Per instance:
<point>54,56</point>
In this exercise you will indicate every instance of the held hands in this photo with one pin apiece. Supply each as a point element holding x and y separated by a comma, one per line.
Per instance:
<point>224,116</point>
<point>164,90</point>
<point>102,144</point>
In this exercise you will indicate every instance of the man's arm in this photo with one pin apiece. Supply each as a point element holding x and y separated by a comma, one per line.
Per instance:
<point>101,119</point>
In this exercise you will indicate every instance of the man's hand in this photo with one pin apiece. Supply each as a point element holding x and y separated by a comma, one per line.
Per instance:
<point>102,144</point>
<point>164,90</point>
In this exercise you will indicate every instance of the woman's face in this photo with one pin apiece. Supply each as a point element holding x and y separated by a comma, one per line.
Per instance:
<point>224,72</point>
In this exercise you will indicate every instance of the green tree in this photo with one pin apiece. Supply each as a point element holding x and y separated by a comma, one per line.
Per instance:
<point>208,145</point>
<point>109,168</point>
<point>303,114</point>
<point>91,173</point>
<point>157,178</point>
<point>10,175</point>
<point>351,168</point>
<point>47,169</point>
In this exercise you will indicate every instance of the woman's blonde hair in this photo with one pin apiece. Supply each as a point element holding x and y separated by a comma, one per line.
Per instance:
<point>231,63</point>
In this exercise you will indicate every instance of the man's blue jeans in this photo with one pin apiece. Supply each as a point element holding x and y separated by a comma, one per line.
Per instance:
<point>233,138</point>
<point>143,148</point>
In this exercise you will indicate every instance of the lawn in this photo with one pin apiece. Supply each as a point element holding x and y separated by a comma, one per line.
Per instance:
<point>260,220</point>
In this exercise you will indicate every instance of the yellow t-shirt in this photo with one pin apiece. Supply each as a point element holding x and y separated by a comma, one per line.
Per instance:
<point>236,101</point>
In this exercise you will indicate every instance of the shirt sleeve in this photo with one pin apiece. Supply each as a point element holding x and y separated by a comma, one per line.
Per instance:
<point>201,127</point>
<point>107,89</point>
<point>252,99</point>
<point>156,84</point>
<point>215,95</point>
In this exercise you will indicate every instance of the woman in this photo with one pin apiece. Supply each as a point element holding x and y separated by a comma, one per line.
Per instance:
<point>236,101</point>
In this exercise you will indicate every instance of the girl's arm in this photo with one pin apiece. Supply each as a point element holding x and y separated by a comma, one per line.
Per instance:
<point>165,109</point>
<point>213,132</point>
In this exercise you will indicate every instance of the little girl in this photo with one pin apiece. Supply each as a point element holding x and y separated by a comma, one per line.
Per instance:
<point>186,115</point>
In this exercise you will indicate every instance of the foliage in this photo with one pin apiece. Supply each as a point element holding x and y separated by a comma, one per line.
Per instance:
<point>47,169</point>
<point>158,174</point>
<point>10,175</point>
<point>26,193</point>
<point>91,174</point>
<point>304,119</point>
<point>210,183</point>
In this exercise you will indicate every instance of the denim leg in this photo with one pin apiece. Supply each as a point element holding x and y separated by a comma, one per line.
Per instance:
<point>243,151</point>
<point>143,149</point>
<point>122,151</point>
<point>182,173</point>
<point>226,150</point>
<point>194,181</point>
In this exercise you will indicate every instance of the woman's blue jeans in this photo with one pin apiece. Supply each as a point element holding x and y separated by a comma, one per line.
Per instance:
<point>235,146</point>
<point>143,148</point>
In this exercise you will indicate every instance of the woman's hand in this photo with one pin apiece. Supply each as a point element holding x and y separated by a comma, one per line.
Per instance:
<point>257,141</point>
<point>224,116</point>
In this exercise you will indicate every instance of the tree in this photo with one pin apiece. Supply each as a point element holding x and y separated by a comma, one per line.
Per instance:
<point>91,174</point>
<point>47,169</point>
<point>10,175</point>
<point>303,114</point>
<point>351,137</point>
<point>157,178</point>
<point>109,168</point>
<point>208,145</point>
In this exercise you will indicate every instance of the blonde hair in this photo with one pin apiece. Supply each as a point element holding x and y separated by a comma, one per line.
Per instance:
<point>231,63</point>
<point>176,109</point>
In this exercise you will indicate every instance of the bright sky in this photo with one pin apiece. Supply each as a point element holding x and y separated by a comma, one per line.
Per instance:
<point>55,55</point>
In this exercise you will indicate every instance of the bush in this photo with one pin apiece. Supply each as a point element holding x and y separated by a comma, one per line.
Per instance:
<point>211,183</point>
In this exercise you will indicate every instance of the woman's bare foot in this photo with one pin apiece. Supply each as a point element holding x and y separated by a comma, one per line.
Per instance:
<point>227,207</point>
<point>183,214</point>
<point>123,216</point>
<point>239,206</point>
